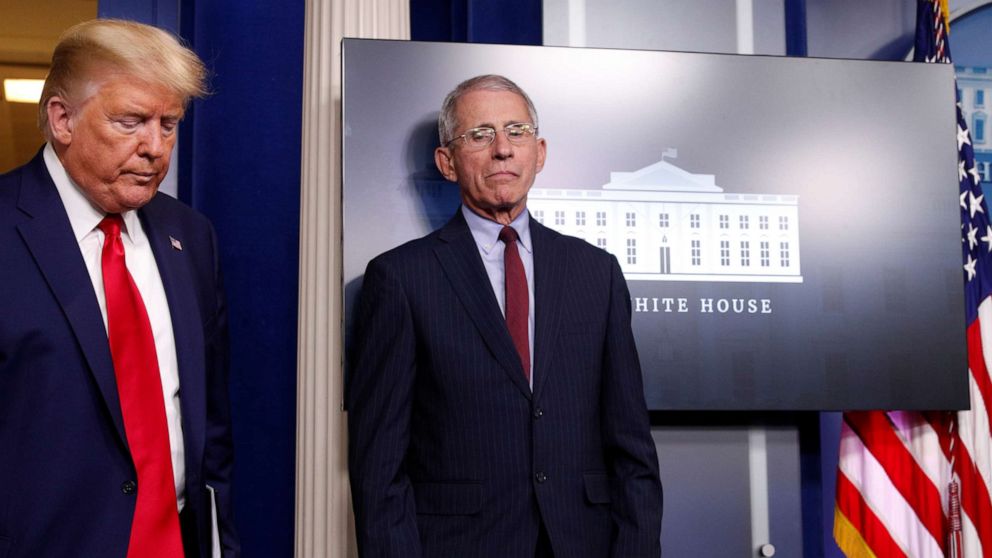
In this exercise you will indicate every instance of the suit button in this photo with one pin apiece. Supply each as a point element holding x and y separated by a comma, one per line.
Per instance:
<point>538,413</point>
<point>540,477</point>
<point>129,487</point>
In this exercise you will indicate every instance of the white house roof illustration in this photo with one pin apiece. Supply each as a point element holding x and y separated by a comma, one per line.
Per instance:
<point>661,182</point>
<point>662,176</point>
<point>667,224</point>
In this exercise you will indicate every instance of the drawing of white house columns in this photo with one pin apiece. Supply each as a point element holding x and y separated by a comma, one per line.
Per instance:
<point>666,224</point>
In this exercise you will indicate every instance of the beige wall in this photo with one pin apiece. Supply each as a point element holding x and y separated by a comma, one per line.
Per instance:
<point>28,33</point>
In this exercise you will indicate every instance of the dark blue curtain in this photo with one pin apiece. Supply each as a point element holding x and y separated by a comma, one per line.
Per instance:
<point>243,171</point>
<point>515,22</point>
<point>240,165</point>
<point>160,14</point>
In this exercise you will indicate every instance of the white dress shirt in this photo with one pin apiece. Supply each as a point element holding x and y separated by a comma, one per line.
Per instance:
<point>84,218</point>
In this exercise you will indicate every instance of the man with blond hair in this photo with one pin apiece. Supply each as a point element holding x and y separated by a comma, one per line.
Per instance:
<point>115,436</point>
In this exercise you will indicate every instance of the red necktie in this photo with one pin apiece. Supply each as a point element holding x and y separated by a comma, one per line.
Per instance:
<point>155,529</point>
<point>517,299</point>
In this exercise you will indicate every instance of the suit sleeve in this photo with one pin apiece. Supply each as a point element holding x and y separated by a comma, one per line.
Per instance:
<point>631,455</point>
<point>218,462</point>
<point>379,398</point>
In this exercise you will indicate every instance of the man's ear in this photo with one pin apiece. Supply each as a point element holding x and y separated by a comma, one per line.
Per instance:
<point>59,120</point>
<point>444,160</point>
<point>542,153</point>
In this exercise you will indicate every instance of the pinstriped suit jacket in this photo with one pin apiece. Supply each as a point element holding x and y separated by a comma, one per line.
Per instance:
<point>452,454</point>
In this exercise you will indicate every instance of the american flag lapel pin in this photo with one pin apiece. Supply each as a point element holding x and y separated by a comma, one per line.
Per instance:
<point>176,245</point>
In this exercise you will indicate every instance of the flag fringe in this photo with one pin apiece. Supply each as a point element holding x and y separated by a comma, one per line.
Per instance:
<point>848,537</point>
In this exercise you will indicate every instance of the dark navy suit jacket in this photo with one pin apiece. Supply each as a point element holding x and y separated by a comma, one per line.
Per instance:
<point>64,459</point>
<point>452,455</point>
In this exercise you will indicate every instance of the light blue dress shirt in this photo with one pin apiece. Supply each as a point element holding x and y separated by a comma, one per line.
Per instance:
<point>486,235</point>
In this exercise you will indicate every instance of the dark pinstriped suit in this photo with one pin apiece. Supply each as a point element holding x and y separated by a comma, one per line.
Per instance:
<point>452,455</point>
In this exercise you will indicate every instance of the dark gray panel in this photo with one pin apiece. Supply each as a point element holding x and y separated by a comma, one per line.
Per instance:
<point>868,148</point>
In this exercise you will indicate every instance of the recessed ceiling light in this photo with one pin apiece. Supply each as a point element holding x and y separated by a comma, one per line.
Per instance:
<point>22,90</point>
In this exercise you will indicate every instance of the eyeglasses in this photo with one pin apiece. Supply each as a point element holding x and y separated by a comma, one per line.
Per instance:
<point>481,138</point>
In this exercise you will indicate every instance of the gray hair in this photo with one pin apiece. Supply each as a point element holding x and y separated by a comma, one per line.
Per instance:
<point>446,122</point>
<point>86,50</point>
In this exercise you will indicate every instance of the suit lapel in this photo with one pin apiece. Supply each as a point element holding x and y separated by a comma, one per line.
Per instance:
<point>459,257</point>
<point>49,237</point>
<point>550,258</point>
<point>187,328</point>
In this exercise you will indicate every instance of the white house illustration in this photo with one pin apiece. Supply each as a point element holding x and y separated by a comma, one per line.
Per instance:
<point>975,94</point>
<point>667,224</point>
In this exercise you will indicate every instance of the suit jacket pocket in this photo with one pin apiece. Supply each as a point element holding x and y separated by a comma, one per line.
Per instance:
<point>597,488</point>
<point>448,498</point>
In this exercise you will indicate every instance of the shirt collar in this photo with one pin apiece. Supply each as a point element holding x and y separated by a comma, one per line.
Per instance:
<point>486,231</point>
<point>83,214</point>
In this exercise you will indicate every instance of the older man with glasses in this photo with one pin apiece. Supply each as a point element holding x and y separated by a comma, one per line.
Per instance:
<point>495,398</point>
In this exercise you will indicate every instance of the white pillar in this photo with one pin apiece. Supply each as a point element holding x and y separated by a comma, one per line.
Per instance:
<point>324,525</point>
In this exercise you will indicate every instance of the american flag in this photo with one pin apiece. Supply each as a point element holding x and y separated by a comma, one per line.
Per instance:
<point>917,484</point>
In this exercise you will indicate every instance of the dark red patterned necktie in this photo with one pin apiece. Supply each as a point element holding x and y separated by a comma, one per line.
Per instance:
<point>155,529</point>
<point>517,299</point>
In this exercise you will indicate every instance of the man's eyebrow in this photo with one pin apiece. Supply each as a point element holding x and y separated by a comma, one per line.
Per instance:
<point>126,115</point>
<point>129,109</point>
<point>128,112</point>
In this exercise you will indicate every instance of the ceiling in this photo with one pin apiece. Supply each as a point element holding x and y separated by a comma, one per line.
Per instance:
<point>28,32</point>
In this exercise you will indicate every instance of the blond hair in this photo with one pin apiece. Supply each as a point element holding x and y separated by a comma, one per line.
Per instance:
<point>87,50</point>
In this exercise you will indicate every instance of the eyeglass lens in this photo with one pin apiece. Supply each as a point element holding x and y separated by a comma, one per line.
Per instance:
<point>478,138</point>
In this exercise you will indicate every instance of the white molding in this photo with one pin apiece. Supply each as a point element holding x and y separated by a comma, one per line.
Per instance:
<point>324,525</point>
<point>745,26</point>
<point>757,458</point>
<point>576,23</point>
